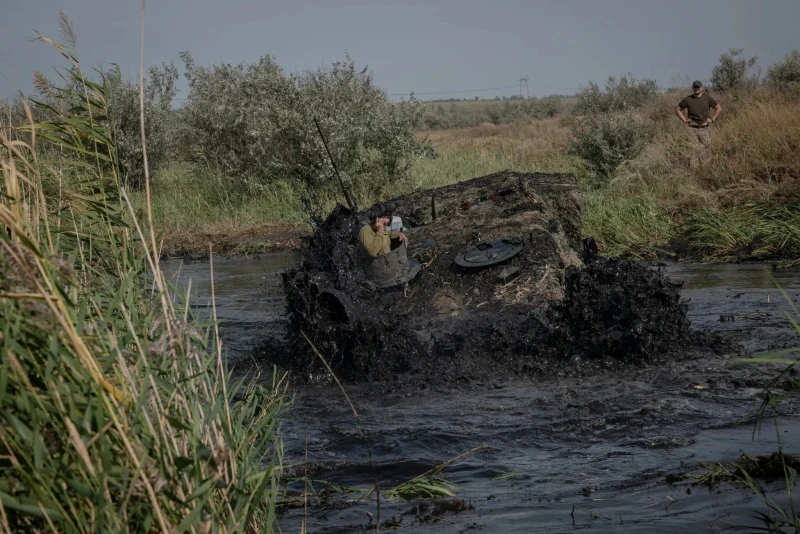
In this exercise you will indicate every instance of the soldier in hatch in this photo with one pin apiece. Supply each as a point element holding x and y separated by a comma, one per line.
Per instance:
<point>375,237</point>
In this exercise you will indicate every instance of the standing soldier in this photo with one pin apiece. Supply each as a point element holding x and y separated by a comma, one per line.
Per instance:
<point>698,104</point>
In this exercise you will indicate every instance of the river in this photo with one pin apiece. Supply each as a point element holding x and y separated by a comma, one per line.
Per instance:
<point>602,443</point>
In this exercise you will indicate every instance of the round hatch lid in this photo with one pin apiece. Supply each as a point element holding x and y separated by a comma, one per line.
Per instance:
<point>489,253</point>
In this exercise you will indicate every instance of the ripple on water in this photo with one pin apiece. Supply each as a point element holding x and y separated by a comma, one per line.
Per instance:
<point>603,443</point>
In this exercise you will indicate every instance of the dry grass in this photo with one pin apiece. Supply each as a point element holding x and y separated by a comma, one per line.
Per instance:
<point>535,146</point>
<point>658,197</point>
<point>640,209</point>
<point>754,171</point>
<point>465,104</point>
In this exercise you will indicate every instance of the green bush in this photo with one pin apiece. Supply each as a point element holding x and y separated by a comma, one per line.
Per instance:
<point>733,72</point>
<point>625,94</point>
<point>159,92</point>
<point>786,73</point>
<point>256,122</point>
<point>115,105</point>
<point>372,139</point>
<point>607,140</point>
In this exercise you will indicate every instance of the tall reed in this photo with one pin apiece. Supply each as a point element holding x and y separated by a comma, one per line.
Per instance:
<point>114,410</point>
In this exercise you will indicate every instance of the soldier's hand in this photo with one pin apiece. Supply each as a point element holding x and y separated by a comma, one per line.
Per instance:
<point>403,238</point>
<point>380,226</point>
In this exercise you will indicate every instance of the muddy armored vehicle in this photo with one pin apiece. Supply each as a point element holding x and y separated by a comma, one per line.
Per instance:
<point>496,277</point>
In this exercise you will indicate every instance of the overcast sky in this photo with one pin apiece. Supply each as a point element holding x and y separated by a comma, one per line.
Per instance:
<point>425,46</point>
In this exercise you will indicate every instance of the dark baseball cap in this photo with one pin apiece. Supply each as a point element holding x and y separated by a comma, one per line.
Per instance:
<point>697,83</point>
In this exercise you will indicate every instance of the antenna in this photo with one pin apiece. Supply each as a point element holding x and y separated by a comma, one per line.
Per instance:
<point>350,203</point>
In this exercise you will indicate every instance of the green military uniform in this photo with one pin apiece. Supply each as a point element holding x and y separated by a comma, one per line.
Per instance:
<point>375,243</point>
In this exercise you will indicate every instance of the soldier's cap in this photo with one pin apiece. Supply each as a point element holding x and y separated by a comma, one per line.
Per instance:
<point>697,83</point>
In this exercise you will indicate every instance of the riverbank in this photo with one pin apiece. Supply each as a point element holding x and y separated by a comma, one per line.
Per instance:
<point>744,206</point>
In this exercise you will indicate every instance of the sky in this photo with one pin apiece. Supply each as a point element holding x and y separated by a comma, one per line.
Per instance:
<point>449,47</point>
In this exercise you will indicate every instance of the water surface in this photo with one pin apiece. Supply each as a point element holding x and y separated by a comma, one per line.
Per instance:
<point>602,443</point>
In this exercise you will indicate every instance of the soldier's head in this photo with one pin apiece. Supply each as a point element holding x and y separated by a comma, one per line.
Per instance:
<point>697,87</point>
<point>380,212</point>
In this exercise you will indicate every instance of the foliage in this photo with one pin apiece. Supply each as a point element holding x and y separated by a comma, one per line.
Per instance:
<point>626,94</point>
<point>607,141</point>
<point>432,487</point>
<point>758,230</point>
<point>733,72</point>
<point>159,93</point>
<point>238,116</point>
<point>115,410</point>
<point>372,139</point>
<point>256,122</point>
<point>113,103</point>
<point>467,114</point>
<point>636,225</point>
<point>786,74</point>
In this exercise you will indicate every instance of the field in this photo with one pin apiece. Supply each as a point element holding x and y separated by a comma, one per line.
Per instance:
<point>464,104</point>
<point>743,206</point>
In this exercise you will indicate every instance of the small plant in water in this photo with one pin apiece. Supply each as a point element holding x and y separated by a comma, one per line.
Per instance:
<point>429,487</point>
<point>777,518</point>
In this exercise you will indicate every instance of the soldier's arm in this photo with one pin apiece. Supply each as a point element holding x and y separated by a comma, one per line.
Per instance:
<point>678,111</point>
<point>717,111</point>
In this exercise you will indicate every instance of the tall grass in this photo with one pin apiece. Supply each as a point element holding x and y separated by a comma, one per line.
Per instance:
<point>195,207</point>
<point>627,225</point>
<point>755,230</point>
<point>115,410</point>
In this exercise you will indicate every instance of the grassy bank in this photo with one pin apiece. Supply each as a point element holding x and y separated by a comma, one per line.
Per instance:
<point>744,205</point>
<point>117,412</point>
<point>197,208</point>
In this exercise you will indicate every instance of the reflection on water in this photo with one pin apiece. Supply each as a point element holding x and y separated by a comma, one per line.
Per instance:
<point>249,299</point>
<point>602,443</point>
<point>747,276</point>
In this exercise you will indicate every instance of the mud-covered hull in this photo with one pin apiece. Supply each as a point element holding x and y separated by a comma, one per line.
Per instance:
<point>450,322</point>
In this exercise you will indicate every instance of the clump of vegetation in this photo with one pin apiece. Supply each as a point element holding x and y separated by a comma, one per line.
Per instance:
<point>430,487</point>
<point>767,468</point>
<point>624,95</point>
<point>786,74</point>
<point>756,230</point>
<point>256,122</point>
<point>465,114</point>
<point>159,122</point>
<point>120,112</point>
<point>607,141</point>
<point>734,72</point>
<point>608,131</point>
<point>116,411</point>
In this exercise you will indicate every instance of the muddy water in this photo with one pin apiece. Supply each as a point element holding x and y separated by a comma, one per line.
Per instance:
<point>602,443</point>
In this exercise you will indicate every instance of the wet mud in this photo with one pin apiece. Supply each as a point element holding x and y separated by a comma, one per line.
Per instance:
<point>567,310</point>
<point>604,440</point>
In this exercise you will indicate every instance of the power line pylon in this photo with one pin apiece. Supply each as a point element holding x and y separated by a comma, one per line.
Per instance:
<point>525,80</point>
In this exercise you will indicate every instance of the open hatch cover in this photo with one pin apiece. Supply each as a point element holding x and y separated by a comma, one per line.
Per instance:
<point>487,254</point>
